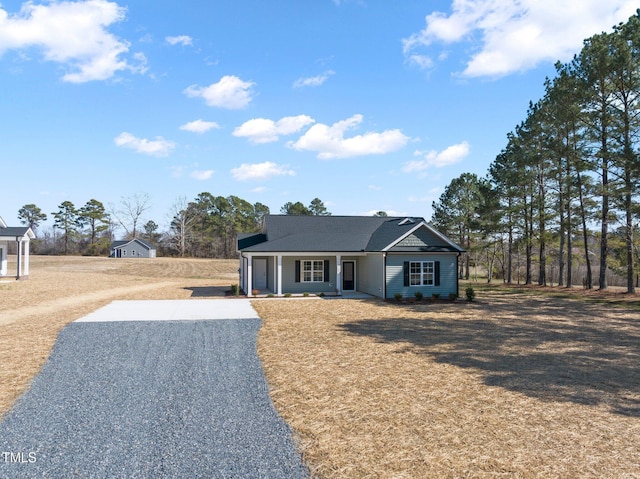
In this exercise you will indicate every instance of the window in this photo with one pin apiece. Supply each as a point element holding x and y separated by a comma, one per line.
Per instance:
<point>312,271</point>
<point>421,273</point>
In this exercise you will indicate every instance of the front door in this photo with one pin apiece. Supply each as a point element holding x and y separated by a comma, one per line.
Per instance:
<point>259,274</point>
<point>348,276</point>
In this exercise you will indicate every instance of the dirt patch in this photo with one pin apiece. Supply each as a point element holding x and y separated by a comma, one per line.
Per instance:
<point>63,289</point>
<point>514,385</point>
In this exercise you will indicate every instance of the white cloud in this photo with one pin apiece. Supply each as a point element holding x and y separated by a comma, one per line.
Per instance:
<point>230,92</point>
<point>516,35</point>
<point>263,130</point>
<point>183,40</point>
<point>158,147</point>
<point>199,126</point>
<point>329,141</point>
<point>260,171</point>
<point>449,156</point>
<point>73,34</point>
<point>421,61</point>
<point>202,174</point>
<point>313,81</point>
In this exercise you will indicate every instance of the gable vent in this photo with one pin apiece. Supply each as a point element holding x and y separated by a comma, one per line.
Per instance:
<point>407,221</point>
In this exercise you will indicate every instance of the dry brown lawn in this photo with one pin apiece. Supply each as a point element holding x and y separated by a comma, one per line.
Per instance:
<point>516,385</point>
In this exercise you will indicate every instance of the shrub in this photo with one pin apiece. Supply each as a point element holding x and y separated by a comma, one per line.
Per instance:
<point>270,295</point>
<point>305,294</point>
<point>321,295</point>
<point>435,296</point>
<point>453,296</point>
<point>471,294</point>
<point>287,295</point>
<point>398,296</point>
<point>235,291</point>
<point>418,295</point>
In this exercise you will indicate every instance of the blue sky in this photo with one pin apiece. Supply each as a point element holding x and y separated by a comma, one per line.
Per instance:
<point>366,104</point>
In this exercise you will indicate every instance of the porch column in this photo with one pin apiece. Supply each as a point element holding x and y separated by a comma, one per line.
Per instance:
<point>274,285</point>
<point>3,258</point>
<point>249,275</point>
<point>19,258</point>
<point>339,274</point>
<point>279,273</point>
<point>26,258</point>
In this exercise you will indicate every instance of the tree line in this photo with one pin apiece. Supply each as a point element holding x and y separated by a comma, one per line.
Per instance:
<point>561,196</point>
<point>206,227</point>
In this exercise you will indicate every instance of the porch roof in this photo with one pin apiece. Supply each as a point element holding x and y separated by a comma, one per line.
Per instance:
<point>10,233</point>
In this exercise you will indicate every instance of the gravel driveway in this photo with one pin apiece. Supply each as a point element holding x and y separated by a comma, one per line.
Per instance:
<point>169,398</point>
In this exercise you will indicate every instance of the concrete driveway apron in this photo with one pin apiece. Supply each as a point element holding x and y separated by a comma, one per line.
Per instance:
<point>151,389</point>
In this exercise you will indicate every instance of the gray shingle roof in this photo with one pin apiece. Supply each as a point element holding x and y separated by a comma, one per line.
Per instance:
<point>121,243</point>
<point>14,231</point>
<point>288,233</point>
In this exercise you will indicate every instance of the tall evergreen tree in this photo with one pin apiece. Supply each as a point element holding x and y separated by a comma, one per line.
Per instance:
<point>95,216</point>
<point>66,219</point>
<point>592,69</point>
<point>31,216</point>
<point>626,92</point>
<point>317,208</point>
<point>456,213</point>
<point>296,208</point>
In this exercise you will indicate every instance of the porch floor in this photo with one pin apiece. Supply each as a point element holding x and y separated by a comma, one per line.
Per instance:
<point>263,293</point>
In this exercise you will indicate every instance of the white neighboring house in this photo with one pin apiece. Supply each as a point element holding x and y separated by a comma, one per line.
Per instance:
<point>21,236</point>
<point>135,248</point>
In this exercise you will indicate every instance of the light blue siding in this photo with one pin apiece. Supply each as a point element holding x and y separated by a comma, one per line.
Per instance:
<point>370,273</point>
<point>448,275</point>
<point>289,284</point>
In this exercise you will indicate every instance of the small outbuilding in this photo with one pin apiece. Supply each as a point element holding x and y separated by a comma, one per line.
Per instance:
<point>135,248</point>
<point>20,236</point>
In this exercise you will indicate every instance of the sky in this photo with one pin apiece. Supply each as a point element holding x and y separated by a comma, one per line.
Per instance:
<point>368,105</point>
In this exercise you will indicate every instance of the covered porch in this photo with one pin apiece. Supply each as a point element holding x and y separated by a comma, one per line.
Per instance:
<point>20,237</point>
<point>300,273</point>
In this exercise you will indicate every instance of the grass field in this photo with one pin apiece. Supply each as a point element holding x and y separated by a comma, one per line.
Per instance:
<point>522,383</point>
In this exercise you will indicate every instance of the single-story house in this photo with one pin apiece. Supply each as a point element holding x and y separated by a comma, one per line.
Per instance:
<point>135,248</point>
<point>379,256</point>
<point>21,236</point>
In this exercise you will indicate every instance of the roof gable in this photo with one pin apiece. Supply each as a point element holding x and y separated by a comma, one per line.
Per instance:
<point>423,237</point>
<point>15,232</point>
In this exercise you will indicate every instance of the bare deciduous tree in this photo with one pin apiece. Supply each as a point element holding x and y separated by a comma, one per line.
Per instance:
<point>130,211</point>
